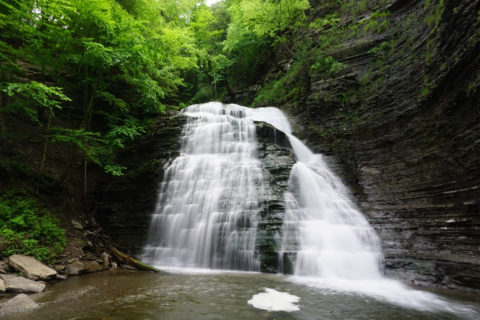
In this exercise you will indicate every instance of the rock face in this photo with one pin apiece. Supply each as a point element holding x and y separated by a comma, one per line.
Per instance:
<point>404,127</point>
<point>275,152</point>
<point>21,284</point>
<point>31,268</point>
<point>19,303</point>
<point>124,204</point>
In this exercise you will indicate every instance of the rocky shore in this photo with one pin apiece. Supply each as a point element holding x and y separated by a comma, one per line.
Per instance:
<point>24,275</point>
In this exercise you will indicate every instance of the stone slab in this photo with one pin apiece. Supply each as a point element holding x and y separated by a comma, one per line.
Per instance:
<point>31,268</point>
<point>21,284</point>
<point>19,303</point>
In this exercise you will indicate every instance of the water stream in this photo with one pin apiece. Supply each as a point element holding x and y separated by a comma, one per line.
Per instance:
<point>208,295</point>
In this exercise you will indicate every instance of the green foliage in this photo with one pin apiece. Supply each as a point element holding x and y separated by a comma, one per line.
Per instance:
<point>268,17</point>
<point>326,65</point>
<point>329,21</point>
<point>27,229</point>
<point>27,95</point>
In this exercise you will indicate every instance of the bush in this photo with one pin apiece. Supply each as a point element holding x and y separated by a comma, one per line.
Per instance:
<point>27,229</point>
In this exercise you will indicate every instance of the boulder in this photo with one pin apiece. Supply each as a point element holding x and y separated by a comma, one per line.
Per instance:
<point>74,268</point>
<point>91,266</point>
<point>19,303</point>
<point>2,286</point>
<point>60,267</point>
<point>78,267</point>
<point>21,284</point>
<point>61,277</point>
<point>31,268</point>
<point>77,225</point>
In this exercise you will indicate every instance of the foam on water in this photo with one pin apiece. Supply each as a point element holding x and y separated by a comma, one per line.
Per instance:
<point>273,300</point>
<point>389,291</point>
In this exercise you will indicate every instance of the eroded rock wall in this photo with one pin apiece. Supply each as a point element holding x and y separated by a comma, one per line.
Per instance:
<point>404,126</point>
<point>124,204</point>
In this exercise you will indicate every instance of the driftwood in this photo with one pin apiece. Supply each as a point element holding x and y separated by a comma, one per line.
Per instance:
<point>131,261</point>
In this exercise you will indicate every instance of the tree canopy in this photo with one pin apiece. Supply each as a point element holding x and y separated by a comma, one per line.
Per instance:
<point>118,64</point>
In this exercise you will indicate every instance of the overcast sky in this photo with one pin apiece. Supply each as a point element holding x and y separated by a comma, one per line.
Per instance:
<point>210,2</point>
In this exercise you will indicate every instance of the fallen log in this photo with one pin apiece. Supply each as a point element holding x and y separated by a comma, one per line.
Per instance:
<point>131,261</point>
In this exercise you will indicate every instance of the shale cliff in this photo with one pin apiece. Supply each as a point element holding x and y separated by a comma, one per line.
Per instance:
<point>398,120</point>
<point>402,120</point>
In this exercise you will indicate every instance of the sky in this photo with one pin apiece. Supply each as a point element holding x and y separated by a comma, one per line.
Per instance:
<point>210,2</point>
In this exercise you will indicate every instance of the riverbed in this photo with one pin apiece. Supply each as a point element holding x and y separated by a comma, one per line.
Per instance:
<point>203,294</point>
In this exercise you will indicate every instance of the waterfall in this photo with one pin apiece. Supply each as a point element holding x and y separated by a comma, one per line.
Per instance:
<point>330,237</point>
<point>211,196</point>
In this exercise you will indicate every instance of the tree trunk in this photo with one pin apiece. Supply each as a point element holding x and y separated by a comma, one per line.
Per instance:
<point>131,261</point>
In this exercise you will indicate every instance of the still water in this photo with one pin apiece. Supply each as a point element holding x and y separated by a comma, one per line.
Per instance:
<point>223,295</point>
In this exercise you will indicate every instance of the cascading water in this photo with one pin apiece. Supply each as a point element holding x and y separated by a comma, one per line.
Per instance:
<point>210,197</point>
<point>330,237</point>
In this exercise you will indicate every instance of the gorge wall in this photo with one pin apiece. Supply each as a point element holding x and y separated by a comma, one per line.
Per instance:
<point>401,122</point>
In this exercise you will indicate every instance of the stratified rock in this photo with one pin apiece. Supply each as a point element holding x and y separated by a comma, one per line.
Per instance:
<point>21,284</point>
<point>124,204</point>
<point>31,268</point>
<point>19,303</point>
<point>2,286</point>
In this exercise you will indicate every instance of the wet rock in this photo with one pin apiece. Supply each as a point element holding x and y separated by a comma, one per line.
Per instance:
<point>105,260</point>
<point>19,303</point>
<point>91,266</point>
<point>61,277</point>
<point>31,268</point>
<point>74,268</point>
<point>77,225</point>
<point>276,155</point>
<point>21,284</point>
<point>80,267</point>
<point>60,267</point>
<point>124,204</point>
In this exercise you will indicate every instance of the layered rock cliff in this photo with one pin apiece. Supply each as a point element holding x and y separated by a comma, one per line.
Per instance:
<point>400,125</point>
<point>402,120</point>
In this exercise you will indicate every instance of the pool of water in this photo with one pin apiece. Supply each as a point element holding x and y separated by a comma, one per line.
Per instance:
<point>194,294</point>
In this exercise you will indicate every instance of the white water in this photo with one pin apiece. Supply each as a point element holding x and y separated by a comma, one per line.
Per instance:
<point>330,237</point>
<point>209,199</point>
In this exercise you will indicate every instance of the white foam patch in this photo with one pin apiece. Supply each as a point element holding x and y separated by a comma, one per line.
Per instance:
<point>390,291</point>
<point>273,300</point>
